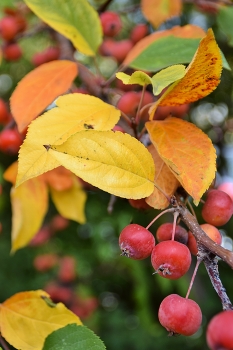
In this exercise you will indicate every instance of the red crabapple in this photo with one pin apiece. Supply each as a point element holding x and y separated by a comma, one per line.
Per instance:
<point>163,112</point>
<point>45,262</point>
<point>4,114</point>
<point>117,49</point>
<point>111,23</point>
<point>192,243</point>
<point>171,259</point>
<point>67,269</point>
<point>12,52</point>
<point>128,103</point>
<point>138,32</point>
<point>164,233</point>
<point>136,242</point>
<point>218,208</point>
<point>219,332</point>
<point>8,28</point>
<point>10,141</point>
<point>180,315</point>
<point>139,204</point>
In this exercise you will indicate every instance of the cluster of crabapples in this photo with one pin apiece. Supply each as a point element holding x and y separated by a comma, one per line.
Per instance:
<point>171,258</point>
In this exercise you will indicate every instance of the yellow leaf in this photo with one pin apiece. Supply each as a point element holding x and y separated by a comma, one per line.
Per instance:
<point>137,77</point>
<point>167,76</point>
<point>187,151</point>
<point>201,78</point>
<point>164,179</point>
<point>112,161</point>
<point>70,203</point>
<point>39,88</point>
<point>159,81</point>
<point>26,319</point>
<point>29,205</point>
<point>158,11</point>
<point>74,112</point>
<point>77,21</point>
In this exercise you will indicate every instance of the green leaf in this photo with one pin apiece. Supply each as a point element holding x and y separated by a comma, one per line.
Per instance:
<point>168,51</point>
<point>224,20</point>
<point>137,77</point>
<point>159,81</point>
<point>112,161</point>
<point>73,337</point>
<point>76,20</point>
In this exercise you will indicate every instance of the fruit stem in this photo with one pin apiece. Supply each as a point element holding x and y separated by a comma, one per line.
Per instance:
<point>137,117</point>
<point>199,260</point>
<point>170,210</point>
<point>175,215</point>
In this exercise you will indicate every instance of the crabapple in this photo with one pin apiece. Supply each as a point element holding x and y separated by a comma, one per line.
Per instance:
<point>210,230</point>
<point>117,49</point>
<point>138,32</point>
<point>67,270</point>
<point>171,259</point>
<point>139,204</point>
<point>10,141</point>
<point>12,52</point>
<point>218,208</point>
<point>136,242</point>
<point>192,243</point>
<point>45,262</point>
<point>164,233</point>
<point>8,28</point>
<point>163,112</point>
<point>219,334</point>
<point>128,103</point>
<point>4,114</point>
<point>111,23</point>
<point>227,187</point>
<point>180,315</point>
<point>49,54</point>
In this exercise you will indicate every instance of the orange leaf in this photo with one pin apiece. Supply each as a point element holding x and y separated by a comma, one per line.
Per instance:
<point>60,179</point>
<point>164,179</point>
<point>39,88</point>
<point>189,31</point>
<point>158,11</point>
<point>187,151</point>
<point>201,78</point>
<point>11,173</point>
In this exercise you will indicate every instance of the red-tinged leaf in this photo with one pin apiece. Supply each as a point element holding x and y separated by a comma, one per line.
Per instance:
<point>39,88</point>
<point>60,179</point>
<point>187,151</point>
<point>158,11</point>
<point>201,78</point>
<point>164,179</point>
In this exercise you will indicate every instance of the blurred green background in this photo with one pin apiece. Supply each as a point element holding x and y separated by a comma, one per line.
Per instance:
<point>125,294</point>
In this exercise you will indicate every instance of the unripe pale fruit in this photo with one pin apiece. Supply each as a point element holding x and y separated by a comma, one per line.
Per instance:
<point>219,332</point>
<point>171,259</point>
<point>180,315</point>
<point>218,208</point>
<point>136,242</point>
